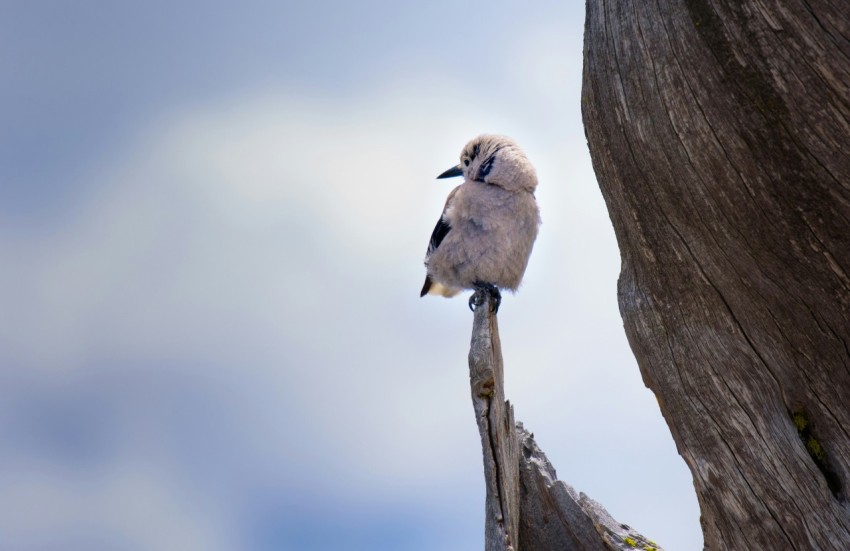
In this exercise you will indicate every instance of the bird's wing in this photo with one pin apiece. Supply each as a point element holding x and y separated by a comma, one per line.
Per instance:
<point>441,230</point>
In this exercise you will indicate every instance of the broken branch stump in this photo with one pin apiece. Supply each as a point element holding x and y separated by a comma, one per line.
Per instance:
<point>526,507</point>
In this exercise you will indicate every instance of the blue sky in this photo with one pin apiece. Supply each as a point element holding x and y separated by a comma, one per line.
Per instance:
<point>212,224</point>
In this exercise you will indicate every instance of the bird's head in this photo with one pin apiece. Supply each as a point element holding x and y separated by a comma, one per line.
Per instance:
<point>495,160</point>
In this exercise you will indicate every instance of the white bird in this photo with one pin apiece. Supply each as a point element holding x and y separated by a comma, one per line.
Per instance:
<point>484,237</point>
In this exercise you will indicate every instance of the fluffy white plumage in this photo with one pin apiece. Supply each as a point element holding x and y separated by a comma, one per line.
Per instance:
<point>485,234</point>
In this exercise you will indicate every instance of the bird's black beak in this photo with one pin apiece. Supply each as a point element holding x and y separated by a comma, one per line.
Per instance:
<point>451,173</point>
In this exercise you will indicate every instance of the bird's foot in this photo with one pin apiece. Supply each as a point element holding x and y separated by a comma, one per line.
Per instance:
<point>476,300</point>
<point>482,291</point>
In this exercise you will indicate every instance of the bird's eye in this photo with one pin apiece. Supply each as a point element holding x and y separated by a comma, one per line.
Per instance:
<point>466,162</point>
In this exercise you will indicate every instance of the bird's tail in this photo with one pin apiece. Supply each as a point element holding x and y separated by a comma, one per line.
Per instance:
<point>433,288</point>
<point>426,287</point>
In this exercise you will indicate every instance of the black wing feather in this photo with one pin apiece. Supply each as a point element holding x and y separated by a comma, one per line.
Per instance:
<point>441,230</point>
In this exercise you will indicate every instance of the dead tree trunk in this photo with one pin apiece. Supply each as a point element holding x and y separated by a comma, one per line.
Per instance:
<point>720,135</point>
<point>526,507</point>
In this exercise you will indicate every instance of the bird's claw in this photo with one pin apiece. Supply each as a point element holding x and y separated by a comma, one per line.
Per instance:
<point>482,291</point>
<point>495,300</point>
<point>476,300</point>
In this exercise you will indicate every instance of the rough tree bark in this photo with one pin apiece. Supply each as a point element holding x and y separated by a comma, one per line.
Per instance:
<point>719,133</point>
<point>526,507</point>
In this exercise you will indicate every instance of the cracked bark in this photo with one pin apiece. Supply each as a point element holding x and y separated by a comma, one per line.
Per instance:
<point>526,507</point>
<point>719,134</point>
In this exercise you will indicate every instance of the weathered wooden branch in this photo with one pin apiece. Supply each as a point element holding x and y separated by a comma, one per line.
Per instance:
<point>526,507</point>
<point>719,134</point>
<point>495,418</point>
